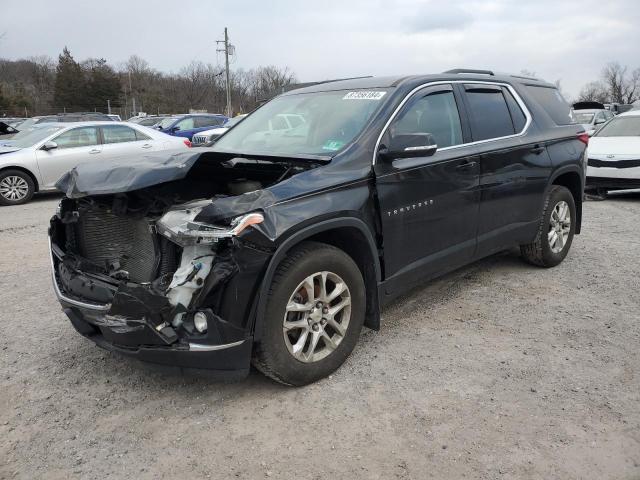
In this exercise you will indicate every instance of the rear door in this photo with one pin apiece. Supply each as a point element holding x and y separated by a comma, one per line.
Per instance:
<point>429,206</point>
<point>514,166</point>
<point>122,140</point>
<point>77,145</point>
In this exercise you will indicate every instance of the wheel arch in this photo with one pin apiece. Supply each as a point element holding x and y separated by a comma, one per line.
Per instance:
<point>352,236</point>
<point>573,180</point>
<point>25,170</point>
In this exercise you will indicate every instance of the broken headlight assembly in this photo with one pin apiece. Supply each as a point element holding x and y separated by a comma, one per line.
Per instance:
<point>180,226</point>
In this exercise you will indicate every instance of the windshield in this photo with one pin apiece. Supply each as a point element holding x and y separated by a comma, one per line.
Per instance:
<point>167,122</point>
<point>33,135</point>
<point>621,127</point>
<point>318,123</point>
<point>583,117</point>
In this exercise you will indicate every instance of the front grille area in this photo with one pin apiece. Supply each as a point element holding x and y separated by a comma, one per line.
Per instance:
<point>198,139</point>
<point>118,243</point>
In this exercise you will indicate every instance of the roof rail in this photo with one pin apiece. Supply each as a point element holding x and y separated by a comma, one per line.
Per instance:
<point>525,77</point>
<point>470,70</point>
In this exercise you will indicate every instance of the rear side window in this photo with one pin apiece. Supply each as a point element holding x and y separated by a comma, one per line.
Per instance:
<point>517,115</point>
<point>120,134</point>
<point>553,102</point>
<point>207,121</point>
<point>490,117</point>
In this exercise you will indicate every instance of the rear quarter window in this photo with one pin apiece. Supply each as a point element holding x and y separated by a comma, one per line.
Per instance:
<point>553,103</point>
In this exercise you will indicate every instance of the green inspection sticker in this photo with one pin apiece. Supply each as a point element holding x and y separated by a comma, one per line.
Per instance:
<point>333,145</point>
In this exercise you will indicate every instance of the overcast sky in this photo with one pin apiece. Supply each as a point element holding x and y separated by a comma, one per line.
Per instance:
<point>556,39</point>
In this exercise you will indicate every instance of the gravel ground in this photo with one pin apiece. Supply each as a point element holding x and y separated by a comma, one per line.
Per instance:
<point>499,370</point>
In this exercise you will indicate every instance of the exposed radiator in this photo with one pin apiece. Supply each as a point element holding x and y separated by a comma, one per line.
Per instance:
<point>107,239</point>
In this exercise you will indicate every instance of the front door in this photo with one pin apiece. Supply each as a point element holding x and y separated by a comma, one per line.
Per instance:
<point>429,206</point>
<point>74,146</point>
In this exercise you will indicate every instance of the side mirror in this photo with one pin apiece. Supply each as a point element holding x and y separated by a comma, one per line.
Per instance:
<point>175,129</point>
<point>49,146</point>
<point>599,121</point>
<point>410,145</point>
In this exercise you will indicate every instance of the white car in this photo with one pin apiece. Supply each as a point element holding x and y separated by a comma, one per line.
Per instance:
<point>207,136</point>
<point>614,155</point>
<point>36,158</point>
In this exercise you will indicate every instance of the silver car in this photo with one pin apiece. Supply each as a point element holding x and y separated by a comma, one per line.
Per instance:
<point>36,158</point>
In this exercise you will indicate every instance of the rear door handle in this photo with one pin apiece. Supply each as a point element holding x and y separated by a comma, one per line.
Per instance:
<point>95,150</point>
<point>466,165</point>
<point>537,150</point>
<point>147,145</point>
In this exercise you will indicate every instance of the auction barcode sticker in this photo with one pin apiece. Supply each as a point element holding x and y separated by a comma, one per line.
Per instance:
<point>364,95</point>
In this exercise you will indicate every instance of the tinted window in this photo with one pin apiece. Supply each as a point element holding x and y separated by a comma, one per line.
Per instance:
<point>517,115</point>
<point>207,121</point>
<point>77,137</point>
<point>554,104</point>
<point>490,117</point>
<point>118,134</point>
<point>437,114</point>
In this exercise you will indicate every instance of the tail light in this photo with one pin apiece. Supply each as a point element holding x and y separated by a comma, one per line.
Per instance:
<point>584,138</point>
<point>187,143</point>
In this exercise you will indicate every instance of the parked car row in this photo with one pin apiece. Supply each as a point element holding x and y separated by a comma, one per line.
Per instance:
<point>35,158</point>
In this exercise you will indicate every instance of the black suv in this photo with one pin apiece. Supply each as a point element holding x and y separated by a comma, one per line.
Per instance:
<point>275,246</point>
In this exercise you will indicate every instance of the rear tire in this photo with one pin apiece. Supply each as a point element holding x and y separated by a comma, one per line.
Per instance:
<point>16,187</point>
<point>556,230</point>
<point>286,351</point>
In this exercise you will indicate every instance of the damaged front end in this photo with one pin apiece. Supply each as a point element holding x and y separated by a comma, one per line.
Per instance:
<point>168,273</point>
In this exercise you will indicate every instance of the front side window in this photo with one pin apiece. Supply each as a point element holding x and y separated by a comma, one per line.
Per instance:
<point>621,127</point>
<point>77,137</point>
<point>31,136</point>
<point>435,113</point>
<point>118,134</point>
<point>490,117</point>
<point>185,124</point>
<point>330,121</point>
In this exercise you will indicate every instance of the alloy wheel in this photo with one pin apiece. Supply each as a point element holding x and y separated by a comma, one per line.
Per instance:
<point>559,226</point>
<point>317,317</point>
<point>14,188</point>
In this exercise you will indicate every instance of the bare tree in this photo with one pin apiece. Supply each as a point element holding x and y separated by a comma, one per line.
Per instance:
<point>621,88</point>
<point>594,92</point>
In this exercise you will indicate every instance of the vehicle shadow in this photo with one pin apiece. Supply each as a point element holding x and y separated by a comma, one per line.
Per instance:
<point>116,369</point>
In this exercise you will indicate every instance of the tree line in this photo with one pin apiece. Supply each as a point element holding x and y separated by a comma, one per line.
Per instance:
<point>41,86</point>
<point>617,84</point>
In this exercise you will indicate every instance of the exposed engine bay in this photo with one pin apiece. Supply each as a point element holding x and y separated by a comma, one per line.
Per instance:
<point>146,254</point>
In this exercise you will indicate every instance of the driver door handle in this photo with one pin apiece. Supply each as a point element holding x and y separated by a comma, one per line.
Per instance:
<point>94,150</point>
<point>537,150</point>
<point>147,145</point>
<point>466,165</point>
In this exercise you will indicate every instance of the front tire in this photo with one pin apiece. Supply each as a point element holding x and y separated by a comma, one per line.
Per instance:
<point>314,315</point>
<point>16,187</point>
<point>556,230</point>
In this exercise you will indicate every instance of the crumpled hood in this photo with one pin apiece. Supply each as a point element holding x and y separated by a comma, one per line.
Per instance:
<point>126,174</point>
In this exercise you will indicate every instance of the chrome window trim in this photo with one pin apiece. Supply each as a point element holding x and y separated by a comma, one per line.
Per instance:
<point>515,94</point>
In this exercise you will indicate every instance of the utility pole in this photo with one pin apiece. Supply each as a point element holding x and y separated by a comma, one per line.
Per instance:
<point>228,50</point>
<point>109,107</point>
